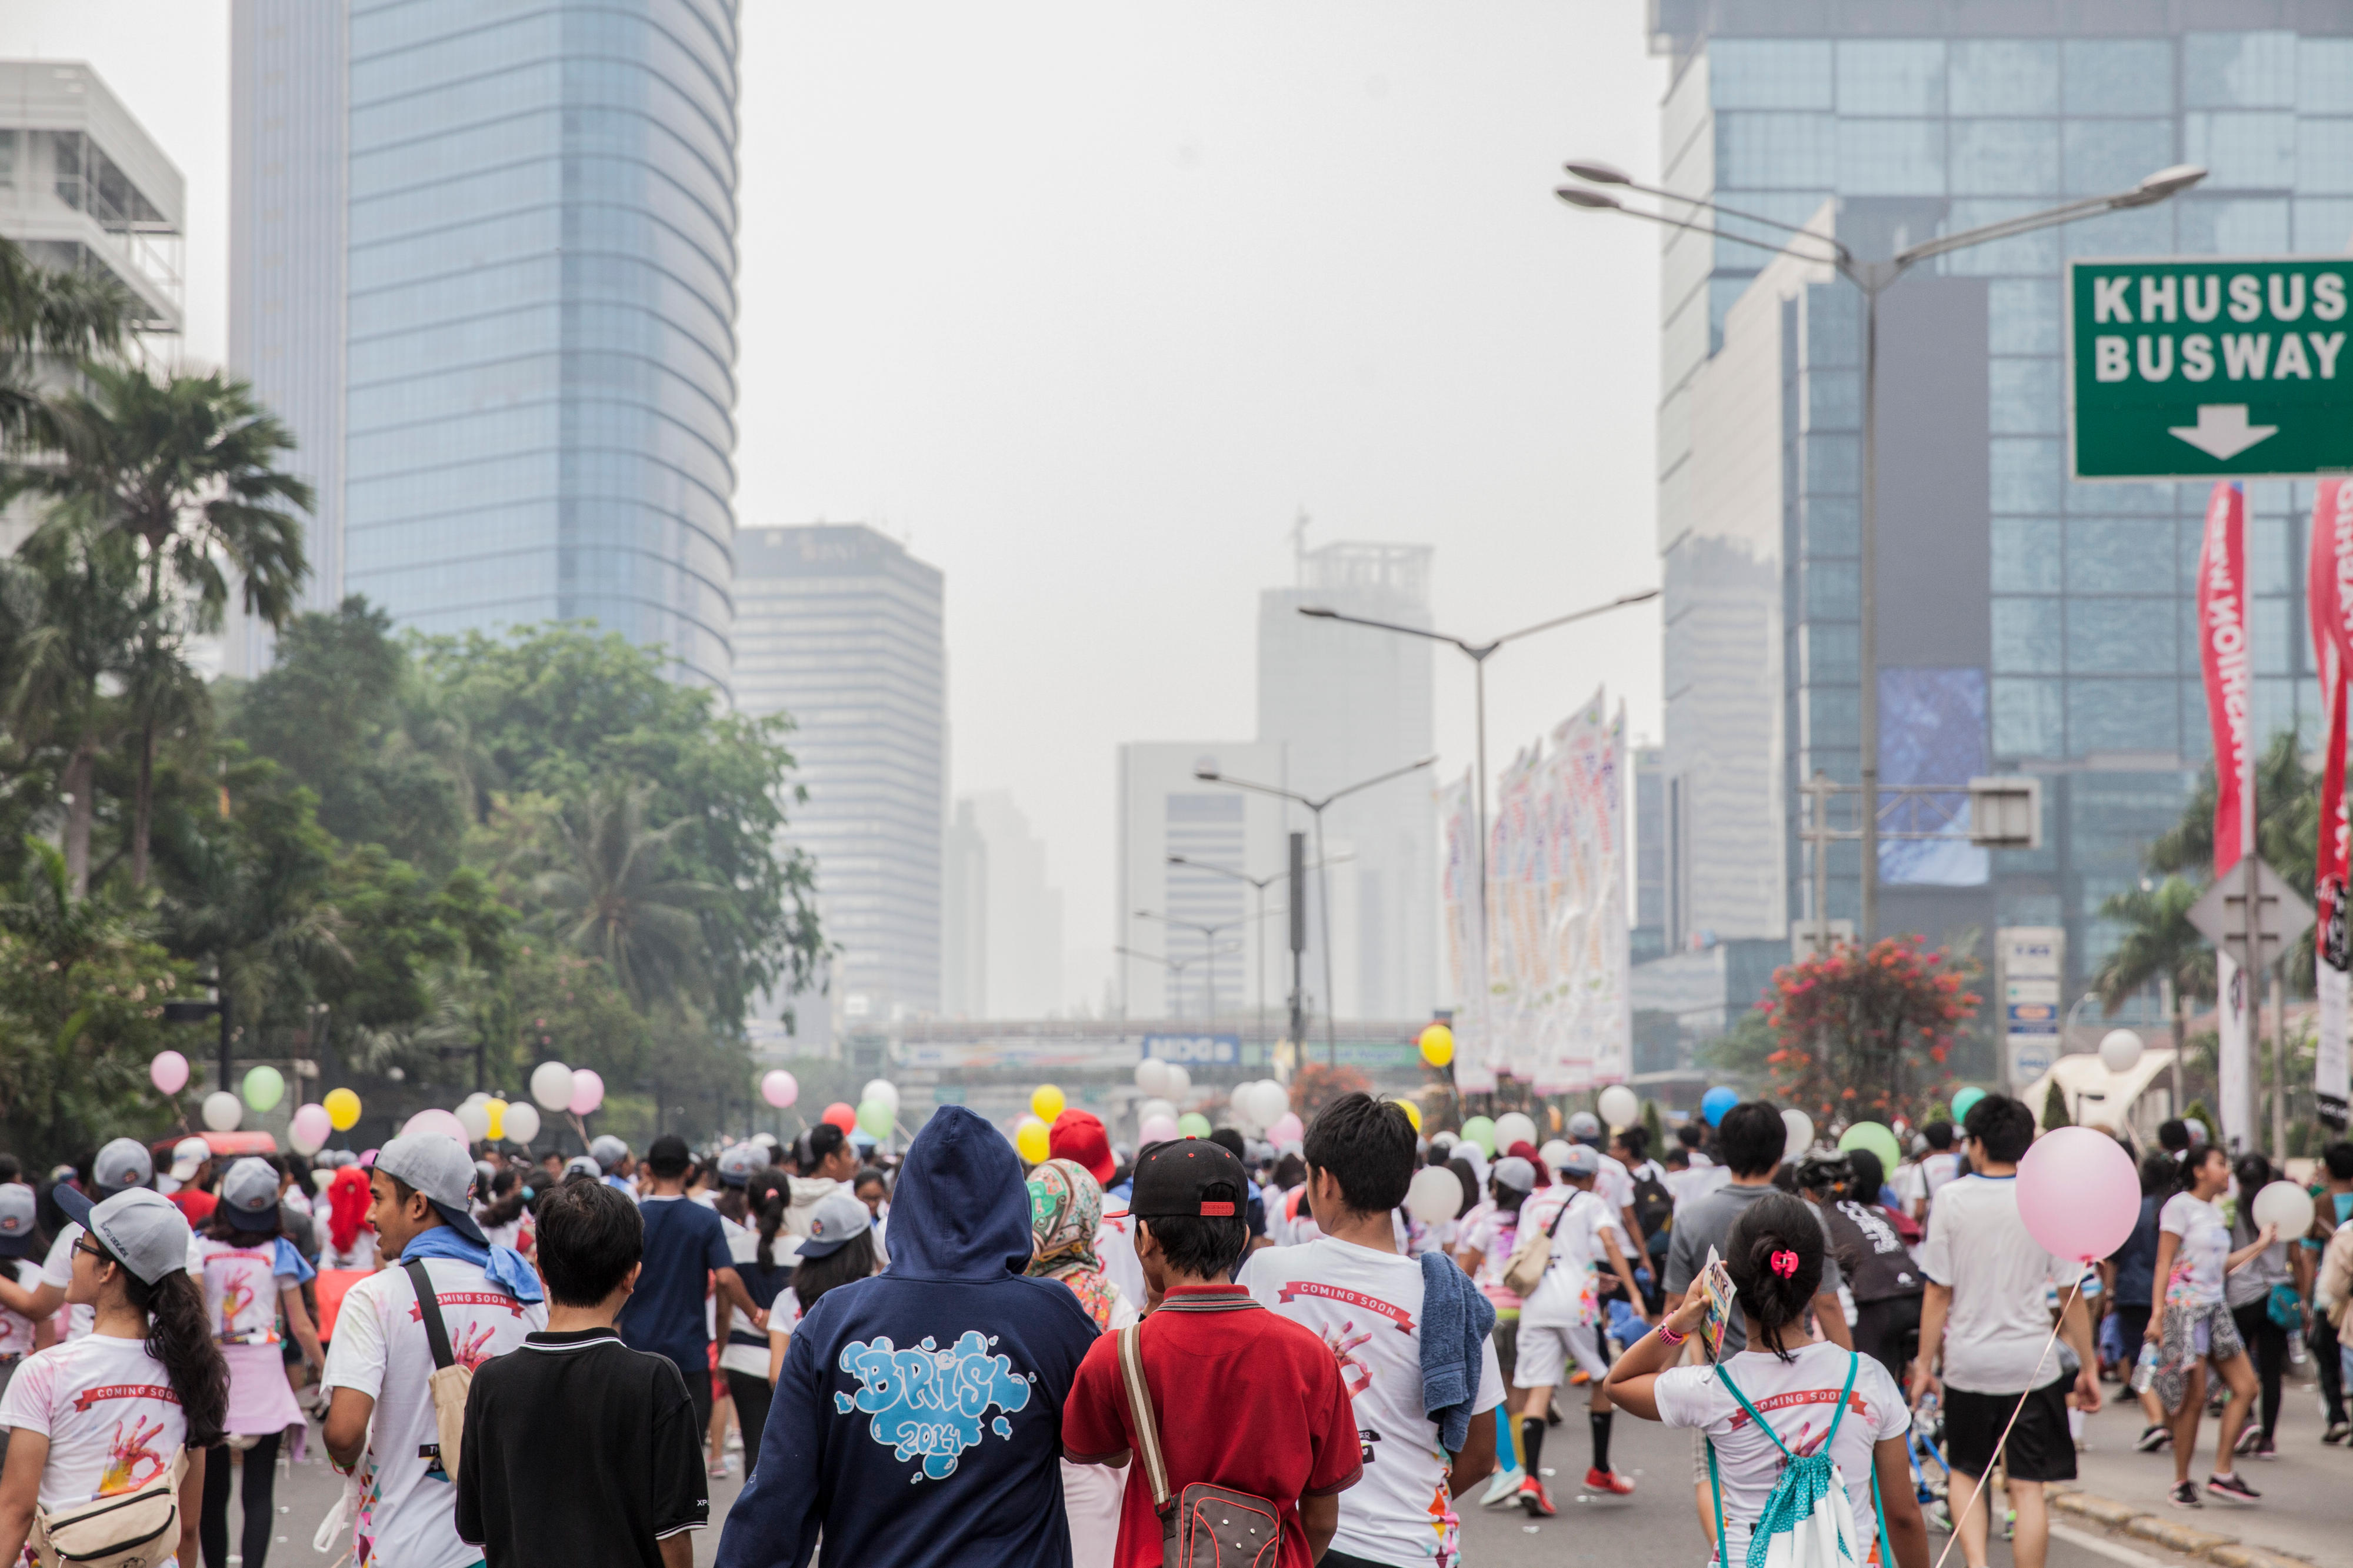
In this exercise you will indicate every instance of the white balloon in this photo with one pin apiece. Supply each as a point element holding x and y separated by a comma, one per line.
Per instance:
<point>551,1085</point>
<point>1555,1155</point>
<point>1150,1109</point>
<point>475,1117</point>
<point>479,1097</point>
<point>1152,1077</point>
<point>2286,1208</point>
<point>1621,1106</point>
<point>1274,1102</point>
<point>1801,1132</point>
<point>2120,1051</point>
<point>884,1089</point>
<point>1434,1195</point>
<point>1180,1083</point>
<point>222,1110</point>
<point>1513,1127</point>
<point>523,1123</point>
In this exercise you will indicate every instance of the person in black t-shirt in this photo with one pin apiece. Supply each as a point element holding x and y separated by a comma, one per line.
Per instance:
<point>578,1448</point>
<point>1880,1274</point>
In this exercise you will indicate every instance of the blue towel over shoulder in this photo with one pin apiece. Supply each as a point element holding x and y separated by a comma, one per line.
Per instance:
<point>1456,1317</point>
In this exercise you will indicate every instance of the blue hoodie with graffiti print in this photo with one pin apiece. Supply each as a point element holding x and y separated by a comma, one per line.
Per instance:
<point>918,1416</point>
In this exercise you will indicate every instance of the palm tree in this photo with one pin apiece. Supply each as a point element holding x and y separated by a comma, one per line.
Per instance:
<point>615,899</point>
<point>184,471</point>
<point>48,318</point>
<point>2159,945</point>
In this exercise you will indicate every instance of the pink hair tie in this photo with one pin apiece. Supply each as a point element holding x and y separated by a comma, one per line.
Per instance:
<point>1785,1263</point>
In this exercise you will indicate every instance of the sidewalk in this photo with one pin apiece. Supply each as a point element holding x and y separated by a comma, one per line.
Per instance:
<point>2304,1511</point>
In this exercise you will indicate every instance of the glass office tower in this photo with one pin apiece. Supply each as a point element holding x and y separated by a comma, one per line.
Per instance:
<point>2027,623</point>
<point>540,409</point>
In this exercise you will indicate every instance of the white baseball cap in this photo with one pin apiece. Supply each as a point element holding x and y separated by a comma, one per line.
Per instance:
<point>124,1162</point>
<point>187,1155</point>
<point>140,1227</point>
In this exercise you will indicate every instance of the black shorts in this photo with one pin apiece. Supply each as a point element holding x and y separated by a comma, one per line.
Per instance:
<point>2040,1449</point>
<point>1506,1338</point>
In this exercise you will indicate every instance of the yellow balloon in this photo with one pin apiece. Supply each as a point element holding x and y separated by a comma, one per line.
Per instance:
<point>1412,1112</point>
<point>343,1109</point>
<point>1046,1103</point>
<point>1437,1045</point>
<point>1030,1142</point>
<point>498,1109</point>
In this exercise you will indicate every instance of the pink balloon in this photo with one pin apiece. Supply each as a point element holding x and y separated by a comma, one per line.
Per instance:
<point>168,1072</point>
<point>436,1120</point>
<point>1159,1129</point>
<point>1287,1129</point>
<point>779,1088</point>
<point>2078,1194</point>
<point>587,1090</point>
<point>312,1126</point>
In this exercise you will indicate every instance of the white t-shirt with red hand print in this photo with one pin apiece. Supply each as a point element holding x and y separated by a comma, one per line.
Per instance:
<point>108,1410</point>
<point>407,1509</point>
<point>1367,1307</point>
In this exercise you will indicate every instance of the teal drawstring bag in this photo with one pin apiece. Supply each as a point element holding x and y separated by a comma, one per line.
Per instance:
<point>1808,1522</point>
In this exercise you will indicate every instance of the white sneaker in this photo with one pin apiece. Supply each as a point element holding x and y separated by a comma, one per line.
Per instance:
<point>1502,1489</point>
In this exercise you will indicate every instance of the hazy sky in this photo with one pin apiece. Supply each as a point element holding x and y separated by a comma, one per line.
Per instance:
<point>1087,302</point>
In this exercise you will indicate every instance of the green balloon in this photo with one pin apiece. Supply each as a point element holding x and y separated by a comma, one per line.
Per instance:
<point>264,1087</point>
<point>1193,1124</point>
<point>1480,1130</point>
<point>876,1117</point>
<point>1876,1138</point>
<point>1962,1100</point>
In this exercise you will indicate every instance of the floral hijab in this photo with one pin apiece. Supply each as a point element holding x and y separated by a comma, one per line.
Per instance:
<point>1065,1210</point>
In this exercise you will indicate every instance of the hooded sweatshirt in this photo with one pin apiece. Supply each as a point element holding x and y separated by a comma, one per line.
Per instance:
<point>918,1415</point>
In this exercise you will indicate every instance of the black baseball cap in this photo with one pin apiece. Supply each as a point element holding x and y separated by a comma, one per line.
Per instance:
<point>1188,1178</point>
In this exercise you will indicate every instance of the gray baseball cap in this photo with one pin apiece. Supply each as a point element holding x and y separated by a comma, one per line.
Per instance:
<point>1515,1172</point>
<point>1584,1124</point>
<point>17,1217</point>
<point>739,1162</point>
<point>1582,1160</point>
<point>608,1152</point>
<point>140,1227</point>
<point>439,1167</point>
<point>582,1165</point>
<point>834,1221</point>
<point>249,1194</point>
<point>123,1164</point>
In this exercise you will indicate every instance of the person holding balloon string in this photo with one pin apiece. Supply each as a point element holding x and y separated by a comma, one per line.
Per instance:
<point>2190,1323</point>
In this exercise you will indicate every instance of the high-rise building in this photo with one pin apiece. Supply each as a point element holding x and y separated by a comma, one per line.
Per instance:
<point>83,187</point>
<point>1346,704</point>
<point>288,211</point>
<point>839,626</point>
<point>532,270</point>
<point>2025,623</point>
<point>1195,944</point>
<point>1001,922</point>
<point>1648,934</point>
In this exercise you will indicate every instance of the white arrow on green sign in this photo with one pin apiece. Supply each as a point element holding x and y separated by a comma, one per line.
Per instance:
<point>2210,367</point>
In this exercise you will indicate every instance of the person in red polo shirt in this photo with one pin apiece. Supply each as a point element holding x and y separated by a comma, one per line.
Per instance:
<point>1246,1399</point>
<point>1079,1136</point>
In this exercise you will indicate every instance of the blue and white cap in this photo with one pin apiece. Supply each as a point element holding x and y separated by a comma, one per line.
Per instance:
<point>18,1219</point>
<point>836,1220</point>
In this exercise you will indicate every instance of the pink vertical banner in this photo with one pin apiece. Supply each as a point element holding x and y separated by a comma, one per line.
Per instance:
<point>2226,655</point>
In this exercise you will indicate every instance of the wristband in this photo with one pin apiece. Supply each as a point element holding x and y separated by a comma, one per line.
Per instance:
<point>1667,1335</point>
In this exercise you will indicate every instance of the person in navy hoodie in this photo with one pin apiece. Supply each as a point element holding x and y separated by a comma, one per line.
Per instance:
<point>917,1418</point>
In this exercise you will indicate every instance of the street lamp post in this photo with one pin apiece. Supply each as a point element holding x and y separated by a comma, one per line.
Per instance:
<point>1258,885</point>
<point>1479,653</point>
<point>1176,966</point>
<point>1873,278</point>
<point>1208,931</point>
<point>1206,770</point>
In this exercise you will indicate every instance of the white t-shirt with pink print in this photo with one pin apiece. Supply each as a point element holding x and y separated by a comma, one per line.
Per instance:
<point>108,1410</point>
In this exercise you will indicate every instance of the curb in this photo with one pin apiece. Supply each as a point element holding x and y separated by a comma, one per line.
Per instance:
<point>2226,1551</point>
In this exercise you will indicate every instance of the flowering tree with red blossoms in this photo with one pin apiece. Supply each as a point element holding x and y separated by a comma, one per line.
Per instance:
<point>1860,1034</point>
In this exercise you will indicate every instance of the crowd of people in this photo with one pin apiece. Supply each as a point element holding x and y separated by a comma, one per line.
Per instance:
<point>949,1357</point>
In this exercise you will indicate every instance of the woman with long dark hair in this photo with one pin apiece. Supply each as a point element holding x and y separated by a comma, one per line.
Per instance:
<point>2190,1324</point>
<point>1814,1396</point>
<point>753,1194</point>
<point>838,1249</point>
<point>92,1417</point>
<point>252,1273</point>
<point>504,1220</point>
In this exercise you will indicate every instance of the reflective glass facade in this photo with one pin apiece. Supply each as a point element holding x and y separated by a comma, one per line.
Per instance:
<point>2076,657</point>
<point>541,313</point>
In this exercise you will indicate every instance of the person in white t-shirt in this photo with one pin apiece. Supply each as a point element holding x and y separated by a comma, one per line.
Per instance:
<point>1560,1322</point>
<point>121,1166</point>
<point>1985,1317</point>
<point>380,1366</point>
<point>1795,1396</point>
<point>21,1334</point>
<point>2189,1320</point>
<point>1353,1286</point>
<point>103,1414</point>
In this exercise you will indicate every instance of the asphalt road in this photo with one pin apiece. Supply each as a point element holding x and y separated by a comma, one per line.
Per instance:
<point>1655,1527</point>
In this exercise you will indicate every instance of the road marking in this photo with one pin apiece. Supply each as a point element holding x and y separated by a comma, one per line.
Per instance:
<point>2105,1547</point>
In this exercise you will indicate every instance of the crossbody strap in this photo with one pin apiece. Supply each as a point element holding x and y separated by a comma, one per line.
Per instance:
<point>1715,1487</point>
<point>1726,1378</point>
<point>1879,1508</point>
<point>1140,1413</point>
<point>428,1307</point>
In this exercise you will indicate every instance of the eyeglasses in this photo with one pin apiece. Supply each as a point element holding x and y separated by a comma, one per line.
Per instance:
<point>99,1253</point>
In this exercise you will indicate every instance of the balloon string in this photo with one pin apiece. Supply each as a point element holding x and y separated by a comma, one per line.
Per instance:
<point>2002,1442</point>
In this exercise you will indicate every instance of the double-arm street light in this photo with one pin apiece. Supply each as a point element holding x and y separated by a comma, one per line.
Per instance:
<point>1873,278</point>
<point>1258,885</point>
<point>1176,966</point>
<point>1479,653</point>
<point>1206,770</point>
<point>1208,930</point>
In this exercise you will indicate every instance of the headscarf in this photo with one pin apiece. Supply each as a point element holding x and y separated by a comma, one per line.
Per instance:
<point>1065,1211</point>
<point>347,1206</point>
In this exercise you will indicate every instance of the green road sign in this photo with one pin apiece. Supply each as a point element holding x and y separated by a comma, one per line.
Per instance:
<point>2209,367</point>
